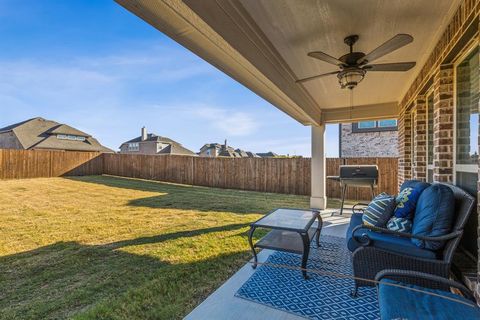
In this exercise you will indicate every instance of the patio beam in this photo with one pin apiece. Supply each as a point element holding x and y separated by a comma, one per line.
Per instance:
<point>318,199</point>
<point>387,110</point>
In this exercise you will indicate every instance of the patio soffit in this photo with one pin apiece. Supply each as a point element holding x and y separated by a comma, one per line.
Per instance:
<point>263,44</point>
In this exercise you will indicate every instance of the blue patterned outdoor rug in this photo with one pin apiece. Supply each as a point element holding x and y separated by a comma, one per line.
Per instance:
<point>320,297</point>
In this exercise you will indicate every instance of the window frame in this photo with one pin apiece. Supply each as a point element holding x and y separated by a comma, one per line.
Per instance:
<point>412,140</point>
<point>467,168</point>
<point>70,137</point>
<point>356,129</point>
<point>131,148</point>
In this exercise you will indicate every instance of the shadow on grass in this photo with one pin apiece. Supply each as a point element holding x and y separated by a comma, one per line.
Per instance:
<point>200,198</point>
<point>175,235</point>
<point>68,279</point>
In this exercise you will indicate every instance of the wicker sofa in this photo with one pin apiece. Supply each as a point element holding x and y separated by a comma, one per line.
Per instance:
<point>375,249</point>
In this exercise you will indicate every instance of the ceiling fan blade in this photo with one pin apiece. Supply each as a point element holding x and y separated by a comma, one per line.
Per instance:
<point>391,45</point>
<point>399,66</point>
<point>317,76</point>
<point>325,57</point>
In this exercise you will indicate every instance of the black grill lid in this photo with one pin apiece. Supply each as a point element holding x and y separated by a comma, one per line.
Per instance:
<point>358,172</point>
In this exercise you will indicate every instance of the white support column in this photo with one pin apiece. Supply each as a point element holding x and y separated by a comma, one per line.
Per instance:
<point>318,200</point>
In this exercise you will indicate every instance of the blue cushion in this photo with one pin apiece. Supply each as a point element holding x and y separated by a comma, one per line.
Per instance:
<point>399,224</point>
<point>379,210</point>
<point>407,198</point>
<point>355,220</point>
<point>400,303</point>
<point>409,184</point>
<point>385,241</point>
<point>434,215</point>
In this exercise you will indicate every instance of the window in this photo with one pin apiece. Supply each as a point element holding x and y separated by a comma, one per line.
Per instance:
<point>466,115</point>
<point>392,123</point>
<point>367,124</point>
<point>430,137</point>
<point>467,89</point>
<point>430,128</point>
<point>372,126</point>
<point>70,137</point>
<point>134,146</point>
<point>412,141</point>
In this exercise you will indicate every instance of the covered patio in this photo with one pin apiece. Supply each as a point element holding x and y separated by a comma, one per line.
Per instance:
<point>264,46</point>
<point>224,304</point>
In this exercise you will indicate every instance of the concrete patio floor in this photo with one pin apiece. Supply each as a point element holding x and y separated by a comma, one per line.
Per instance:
<point>222,304</point>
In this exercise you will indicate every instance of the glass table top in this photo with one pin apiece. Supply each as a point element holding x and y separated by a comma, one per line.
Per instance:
<point>288,219</point>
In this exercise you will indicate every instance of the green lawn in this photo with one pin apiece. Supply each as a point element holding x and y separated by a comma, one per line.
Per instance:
<point>104,247</point>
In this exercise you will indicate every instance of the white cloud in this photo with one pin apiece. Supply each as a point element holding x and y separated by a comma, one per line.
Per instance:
<point>232,123</point>
<point>170,91</point>
<point>153,63</point>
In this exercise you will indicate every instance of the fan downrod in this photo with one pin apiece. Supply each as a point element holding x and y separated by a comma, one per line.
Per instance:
<point>350,41</point>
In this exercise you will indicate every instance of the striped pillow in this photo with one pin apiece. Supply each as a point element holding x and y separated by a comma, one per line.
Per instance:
<point>379,210</point>
<point>399,224</point>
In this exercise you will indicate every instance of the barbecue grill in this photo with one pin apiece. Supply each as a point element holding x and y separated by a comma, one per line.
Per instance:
<point>358,176</point>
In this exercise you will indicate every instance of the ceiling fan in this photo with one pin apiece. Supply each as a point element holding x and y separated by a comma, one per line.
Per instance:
<point>354,65</point>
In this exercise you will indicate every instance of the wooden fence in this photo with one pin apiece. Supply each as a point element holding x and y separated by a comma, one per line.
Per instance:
<point>290,176</point>
<point>22,164</point>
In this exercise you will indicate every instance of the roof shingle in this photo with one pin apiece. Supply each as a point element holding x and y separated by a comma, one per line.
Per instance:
<point>39,133</point>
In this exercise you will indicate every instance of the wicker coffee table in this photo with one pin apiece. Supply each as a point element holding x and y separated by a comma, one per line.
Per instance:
<point>292,230</point>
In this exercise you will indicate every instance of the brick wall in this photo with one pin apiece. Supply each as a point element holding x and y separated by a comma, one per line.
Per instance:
<point>438,73</point>
<point>443,109</point>
<point>367,144</point>
<point>419,167</point>
<point>404,146</point>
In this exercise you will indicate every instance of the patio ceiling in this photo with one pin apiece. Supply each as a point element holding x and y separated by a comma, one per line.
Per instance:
<point>264,44</point>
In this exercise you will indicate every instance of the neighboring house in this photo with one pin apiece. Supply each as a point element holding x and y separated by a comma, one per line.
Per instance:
<point>223,150</point>
<point>149,143</point>
<point>210,150</point>
<point>369,139</point>
<point>39,133</point>
<point>268,154</point>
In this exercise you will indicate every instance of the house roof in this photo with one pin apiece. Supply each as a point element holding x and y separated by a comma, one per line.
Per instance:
<point>268,154</point>
<point>252,155</point>
<point>178,149</point>
<point>211,145</point>
<point>40,133</point>
<point>152,137</point>
<point>242,153</point>
<point>229,153</point>
<point>173,148</point>
<point>66,129</point>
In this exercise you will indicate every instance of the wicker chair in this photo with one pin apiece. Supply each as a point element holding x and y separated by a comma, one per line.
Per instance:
<point>369,259</point>
<point>400,298</point>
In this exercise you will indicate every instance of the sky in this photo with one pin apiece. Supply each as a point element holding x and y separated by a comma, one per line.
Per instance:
<point>97,67</point>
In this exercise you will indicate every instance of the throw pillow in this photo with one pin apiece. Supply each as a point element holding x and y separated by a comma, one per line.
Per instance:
<point>379,210</point>
<point>407,199</point>
<point>399,224</point>
<point>434,215</point>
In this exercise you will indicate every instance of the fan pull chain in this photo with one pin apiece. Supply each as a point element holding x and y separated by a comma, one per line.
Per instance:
<point>351,103</point>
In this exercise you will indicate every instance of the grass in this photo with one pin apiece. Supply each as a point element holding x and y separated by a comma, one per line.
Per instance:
<point>103,247</point>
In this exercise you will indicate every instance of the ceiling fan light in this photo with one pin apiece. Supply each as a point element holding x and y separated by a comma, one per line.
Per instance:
<point>350,78</point>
